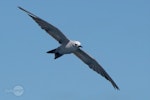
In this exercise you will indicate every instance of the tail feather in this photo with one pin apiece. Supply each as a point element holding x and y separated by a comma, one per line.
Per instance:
<point>52,51</point>
<point>57,55</point>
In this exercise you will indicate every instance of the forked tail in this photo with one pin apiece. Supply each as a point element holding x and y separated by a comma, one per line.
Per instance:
<point>57,54</point>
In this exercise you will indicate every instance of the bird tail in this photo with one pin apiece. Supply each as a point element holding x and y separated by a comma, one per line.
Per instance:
<point>52,51</point>
<point>57,54</point>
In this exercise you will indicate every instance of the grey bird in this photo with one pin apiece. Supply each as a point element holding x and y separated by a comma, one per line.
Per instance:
<point>68,46</point>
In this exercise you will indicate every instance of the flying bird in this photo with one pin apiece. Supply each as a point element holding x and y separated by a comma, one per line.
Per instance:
<point>68,46</point>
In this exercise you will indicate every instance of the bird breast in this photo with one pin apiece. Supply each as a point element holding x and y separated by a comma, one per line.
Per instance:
<point>68,48</point>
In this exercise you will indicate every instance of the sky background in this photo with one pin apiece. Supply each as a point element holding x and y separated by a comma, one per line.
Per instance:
<point>115,32</point>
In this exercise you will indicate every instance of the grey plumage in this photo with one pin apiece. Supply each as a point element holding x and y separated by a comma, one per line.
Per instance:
<point>69,46</point>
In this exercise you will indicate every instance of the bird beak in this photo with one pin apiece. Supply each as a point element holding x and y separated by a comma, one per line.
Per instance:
<point>80,46</point>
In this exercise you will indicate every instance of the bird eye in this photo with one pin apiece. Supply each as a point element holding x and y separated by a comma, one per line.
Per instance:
<point>75,44</point>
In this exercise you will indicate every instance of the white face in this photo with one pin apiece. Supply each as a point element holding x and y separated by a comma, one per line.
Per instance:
<point>77,44</point>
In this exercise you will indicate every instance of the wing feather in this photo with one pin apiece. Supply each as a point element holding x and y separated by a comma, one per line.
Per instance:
<point>61,38</point>
<point>50,29</point>
<point>93,64</point>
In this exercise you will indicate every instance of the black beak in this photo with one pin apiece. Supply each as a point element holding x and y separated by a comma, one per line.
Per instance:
<point>80,46</point>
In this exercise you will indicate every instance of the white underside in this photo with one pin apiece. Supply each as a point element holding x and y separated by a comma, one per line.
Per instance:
<point>67,48</point>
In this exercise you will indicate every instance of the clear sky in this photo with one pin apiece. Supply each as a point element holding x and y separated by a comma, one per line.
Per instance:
<point>115,32</point>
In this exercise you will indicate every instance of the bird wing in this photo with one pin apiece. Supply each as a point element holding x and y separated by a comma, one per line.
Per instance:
<point>50,29</point>
<point>93,64</point>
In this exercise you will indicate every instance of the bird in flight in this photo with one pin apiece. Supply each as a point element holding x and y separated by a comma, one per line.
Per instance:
<point>68,46</point>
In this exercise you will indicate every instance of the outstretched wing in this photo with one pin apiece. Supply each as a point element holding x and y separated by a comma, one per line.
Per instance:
<point>93,64</point>
<point>50,29</point>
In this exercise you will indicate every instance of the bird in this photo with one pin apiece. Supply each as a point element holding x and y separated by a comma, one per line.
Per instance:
<point>68,46</point>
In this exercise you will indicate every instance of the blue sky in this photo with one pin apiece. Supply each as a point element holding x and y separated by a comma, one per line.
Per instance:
<point>116,33</point>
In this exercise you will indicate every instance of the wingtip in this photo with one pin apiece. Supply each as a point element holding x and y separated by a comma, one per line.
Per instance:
<point>29,13</point>
<point>21,8</point>
<point>116,87</point>
<point>113,83</point>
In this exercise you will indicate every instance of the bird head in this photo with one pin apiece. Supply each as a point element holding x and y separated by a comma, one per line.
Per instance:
<point>77,44</point>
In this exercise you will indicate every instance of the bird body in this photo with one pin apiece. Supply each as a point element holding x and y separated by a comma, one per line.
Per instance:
<point>68,46</point>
